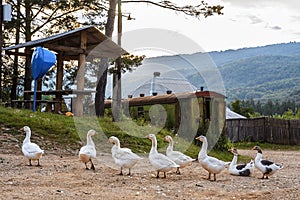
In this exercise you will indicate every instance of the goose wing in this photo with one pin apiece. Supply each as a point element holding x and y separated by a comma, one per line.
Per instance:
<point>125,154</point>
<point>240,166</point>
<point>31,148</point>
<point>160,161</point>
<point>88,150</point>
<point>267,162</point>
<point>179,157</point>
<point>215,161</point>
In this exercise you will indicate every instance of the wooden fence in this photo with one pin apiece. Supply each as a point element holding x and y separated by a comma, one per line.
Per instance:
<point>276,131</point>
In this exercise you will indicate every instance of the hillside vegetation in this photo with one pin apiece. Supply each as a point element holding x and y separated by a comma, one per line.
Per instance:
<point>261,73</point>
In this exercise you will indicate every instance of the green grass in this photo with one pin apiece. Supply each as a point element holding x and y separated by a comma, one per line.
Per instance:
<point>69,131</point>
<point>268,146</point>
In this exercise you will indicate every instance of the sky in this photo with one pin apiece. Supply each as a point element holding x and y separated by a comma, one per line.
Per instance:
<point>244,23</point>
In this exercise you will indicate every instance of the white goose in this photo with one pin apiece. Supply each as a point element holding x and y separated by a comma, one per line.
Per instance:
<point>31,150</point>
<point>179,158</point>
<point>160,162</point>
<point>240,169</point>
<point>88,151</point>
<point>123,157</point>
<point>209,163</point>
<point>267,167</point>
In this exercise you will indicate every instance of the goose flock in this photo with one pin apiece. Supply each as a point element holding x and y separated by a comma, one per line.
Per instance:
<point>125,158</point>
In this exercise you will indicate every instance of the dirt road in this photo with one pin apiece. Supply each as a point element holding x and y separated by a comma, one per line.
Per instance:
<point>62,176</point>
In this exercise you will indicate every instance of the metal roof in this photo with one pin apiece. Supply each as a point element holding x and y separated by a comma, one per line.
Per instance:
<point>162,84</point>
<point>97,44</point>
<point>166,98</point>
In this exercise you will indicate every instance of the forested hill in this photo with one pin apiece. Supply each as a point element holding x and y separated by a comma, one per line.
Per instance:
<point>262,73</point>
<point>228,56</point>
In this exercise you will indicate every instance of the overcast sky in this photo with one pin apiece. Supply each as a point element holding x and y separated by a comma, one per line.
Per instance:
<point>244,23</point>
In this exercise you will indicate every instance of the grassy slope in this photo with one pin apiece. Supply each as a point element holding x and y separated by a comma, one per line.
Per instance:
<point>62,131</point>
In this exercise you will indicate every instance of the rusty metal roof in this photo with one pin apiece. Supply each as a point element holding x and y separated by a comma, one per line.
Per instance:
<point>166,98</point>
<point>69,43</point>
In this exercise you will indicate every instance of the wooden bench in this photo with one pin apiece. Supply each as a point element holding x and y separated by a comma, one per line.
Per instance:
<point>49,104</point>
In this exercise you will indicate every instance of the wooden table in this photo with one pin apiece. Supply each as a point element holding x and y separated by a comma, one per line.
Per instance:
<point>58,97</point>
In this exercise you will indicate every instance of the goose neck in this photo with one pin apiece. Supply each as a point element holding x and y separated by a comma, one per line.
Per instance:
<point>154,145</point>
<point>89,140</point>
<point>27,138</point>
<point>171,144</point>
<point>117,144</point>
<point>203,151</point>
<point>234,160</point>
<point>258,156</point>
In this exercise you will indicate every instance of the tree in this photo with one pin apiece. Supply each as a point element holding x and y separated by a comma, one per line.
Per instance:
<point>36,18</point>
<point>242,108</point>
<point>202,9</point>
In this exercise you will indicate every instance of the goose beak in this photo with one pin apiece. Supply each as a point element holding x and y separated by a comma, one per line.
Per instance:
<point>148,137</point>
<point>21,129</point>
<point>197,138</point>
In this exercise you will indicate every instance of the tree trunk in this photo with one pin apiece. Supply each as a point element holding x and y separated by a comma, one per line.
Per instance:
<point>28,78</point>
<point>13,93</point>
<point>102,76</point>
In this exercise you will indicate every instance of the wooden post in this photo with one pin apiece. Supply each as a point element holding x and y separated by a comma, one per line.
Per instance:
<point>80,76</point>
<point>59,81</point>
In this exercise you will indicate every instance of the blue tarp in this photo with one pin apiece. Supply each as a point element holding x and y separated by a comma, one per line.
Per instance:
<point>42,60</point>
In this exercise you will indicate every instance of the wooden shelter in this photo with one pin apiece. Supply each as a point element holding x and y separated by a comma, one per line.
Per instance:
<point>73,45</point>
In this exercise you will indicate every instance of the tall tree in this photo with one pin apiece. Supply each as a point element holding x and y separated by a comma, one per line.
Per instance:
<point>202,9</point>
<point>102,78</point>
<point>40,18</point>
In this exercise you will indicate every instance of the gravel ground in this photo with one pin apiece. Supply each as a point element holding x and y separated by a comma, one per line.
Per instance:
<point>62,176</point>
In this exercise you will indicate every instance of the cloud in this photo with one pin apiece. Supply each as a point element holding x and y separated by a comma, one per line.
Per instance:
<point>254,19</point>
<point>247,3</point>
<point>275,27</point>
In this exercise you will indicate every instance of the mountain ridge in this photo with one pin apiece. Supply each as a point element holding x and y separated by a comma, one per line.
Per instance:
<point>262,73</point>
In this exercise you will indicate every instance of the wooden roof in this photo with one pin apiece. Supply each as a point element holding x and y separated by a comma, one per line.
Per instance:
<point>98,45</point>
<point>166,98</point>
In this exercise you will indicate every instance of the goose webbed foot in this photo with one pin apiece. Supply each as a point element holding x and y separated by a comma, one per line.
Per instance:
<point>121,173</point>
<point>157,175</point>
<point>215,177</point>
<point>177,171</point>
<point>30,163</point>
<point>165,176</point>
<point>92,165</point>
<point>208,176</point>
<point>38,163</point>
<point>129,173</point>
<point>86,167</point>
